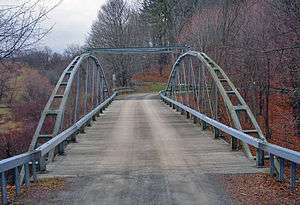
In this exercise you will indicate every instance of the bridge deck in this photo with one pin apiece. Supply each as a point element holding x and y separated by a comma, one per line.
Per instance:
<point>142,152</point>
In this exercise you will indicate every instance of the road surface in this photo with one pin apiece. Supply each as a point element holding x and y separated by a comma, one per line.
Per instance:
<point>140,151</point>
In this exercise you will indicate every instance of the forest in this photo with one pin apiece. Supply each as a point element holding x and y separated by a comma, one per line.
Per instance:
<point>257,43</point>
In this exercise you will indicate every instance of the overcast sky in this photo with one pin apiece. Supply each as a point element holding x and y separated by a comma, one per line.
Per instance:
<point>72,20</point>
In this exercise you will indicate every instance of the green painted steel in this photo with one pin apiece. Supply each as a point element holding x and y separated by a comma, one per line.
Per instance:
<point>84,62</point>
<point>185,81</point>
<point>139,50</point>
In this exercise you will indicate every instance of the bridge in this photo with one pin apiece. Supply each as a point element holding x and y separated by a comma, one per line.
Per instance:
<point>146,148</point>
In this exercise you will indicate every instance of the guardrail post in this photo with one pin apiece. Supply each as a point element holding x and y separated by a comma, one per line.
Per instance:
<point>89,123</point>
<point>293,175</point>
<point>281,169</point>
<point>187,115</point>
<point>181,111</point>
<point>260,156</point>
<point>195,119</point>
<point>42,164</point>
<point>34,174</point>
<point>41,160</point>
<point>272,165</point>
<point>73,138</point>
<point>204,125</point>
<point>82,130</point>
<point>26,174</point>
<point>216,133</point>
<point>4,188</point>
<point>17,181</point>
<point>37,157</point>
<point>61,148</point>
<point>234,144</point>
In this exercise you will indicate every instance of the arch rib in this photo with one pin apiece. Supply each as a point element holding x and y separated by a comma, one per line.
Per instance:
<point>65,83</point>
<point>233,110</point>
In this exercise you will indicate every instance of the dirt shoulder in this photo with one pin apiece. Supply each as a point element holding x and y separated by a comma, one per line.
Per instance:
<point>259,189</point>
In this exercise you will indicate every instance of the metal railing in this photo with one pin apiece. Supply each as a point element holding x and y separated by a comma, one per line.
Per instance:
<point>33,158</point>
<point>81,88</point>
<point>198,82</point>
<point>282,154</point>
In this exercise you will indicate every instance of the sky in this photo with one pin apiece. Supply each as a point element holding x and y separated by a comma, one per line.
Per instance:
<point>72,20</point>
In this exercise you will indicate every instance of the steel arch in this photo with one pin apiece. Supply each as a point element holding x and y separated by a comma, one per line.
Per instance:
<point>100,91</point>
<point>219,78</point>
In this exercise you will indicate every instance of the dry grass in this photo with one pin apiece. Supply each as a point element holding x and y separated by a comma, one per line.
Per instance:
<point>6,122</point>
<point>259,189</point>
<point>4,110</point>
<point>38,190</point>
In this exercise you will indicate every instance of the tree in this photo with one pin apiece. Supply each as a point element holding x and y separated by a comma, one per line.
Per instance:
<point>20,26</point>
<point>72,51</point>
<point>287,36</point>
<point>8,72</point>
<point>257,44</point>
<point>30,93</point>
<point>111,31</point>
<point>166,18</point>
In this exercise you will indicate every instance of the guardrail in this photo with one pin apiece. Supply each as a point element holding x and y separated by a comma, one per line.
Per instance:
<point>16,163</point>
<point>60,138</point>
<point>283,154</point>
<point>34,158</point>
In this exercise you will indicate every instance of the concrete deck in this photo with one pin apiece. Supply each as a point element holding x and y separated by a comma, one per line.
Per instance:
<point>140,151</point>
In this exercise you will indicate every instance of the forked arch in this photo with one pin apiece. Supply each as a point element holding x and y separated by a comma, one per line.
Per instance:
<point>198,82</point>
<point>81,87</point>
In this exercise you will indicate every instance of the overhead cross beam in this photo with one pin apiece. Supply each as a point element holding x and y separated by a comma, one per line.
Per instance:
<point>140,50</point>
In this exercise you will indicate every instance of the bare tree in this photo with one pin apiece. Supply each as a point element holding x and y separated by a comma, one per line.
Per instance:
<point>72,50</point>
<point>111,30</point>
<point>287,26</point>
<point>20,25</point>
